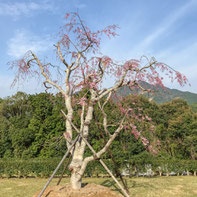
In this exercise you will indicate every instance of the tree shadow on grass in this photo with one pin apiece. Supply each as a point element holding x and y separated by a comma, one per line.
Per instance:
<point>130,183</point>
<point>135,184</point>
<point>112,185</point>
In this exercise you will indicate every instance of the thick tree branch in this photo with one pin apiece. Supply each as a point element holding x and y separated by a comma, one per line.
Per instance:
<point>77,62</point>
<point>46,76</point>
<point>60,55</point>
<point>82,118</point>
<point>119,84</point>
<point>111,139</point>
<point>104,114</point>
<point>148,66</point>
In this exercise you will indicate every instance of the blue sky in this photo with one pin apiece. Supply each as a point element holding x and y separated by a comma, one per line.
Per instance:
<point>166,30</point>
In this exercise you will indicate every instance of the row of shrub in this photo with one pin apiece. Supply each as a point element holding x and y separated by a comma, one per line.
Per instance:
<point>45,167</point>
<point>25,168</point>
<point>161,167</point>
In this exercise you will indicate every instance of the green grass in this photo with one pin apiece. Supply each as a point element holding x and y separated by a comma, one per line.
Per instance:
<point>179,186</point>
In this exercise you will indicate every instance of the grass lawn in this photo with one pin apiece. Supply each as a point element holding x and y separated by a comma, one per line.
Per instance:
<point>179,186</point>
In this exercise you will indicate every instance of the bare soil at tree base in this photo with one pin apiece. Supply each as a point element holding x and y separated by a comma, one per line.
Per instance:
<point>89,190</point>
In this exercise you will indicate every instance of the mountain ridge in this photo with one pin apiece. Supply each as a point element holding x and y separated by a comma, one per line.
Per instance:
<point>161,95</point>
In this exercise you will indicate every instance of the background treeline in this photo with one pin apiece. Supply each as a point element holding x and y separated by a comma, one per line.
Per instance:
<point>32,127</point>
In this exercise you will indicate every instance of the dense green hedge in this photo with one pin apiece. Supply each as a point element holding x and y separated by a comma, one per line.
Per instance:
<point>32,167</point>
<point>45,167</point>
<point>165,166</point>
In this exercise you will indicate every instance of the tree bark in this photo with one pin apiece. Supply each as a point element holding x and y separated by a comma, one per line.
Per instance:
<point>75,180</point>
<point>79,149</point>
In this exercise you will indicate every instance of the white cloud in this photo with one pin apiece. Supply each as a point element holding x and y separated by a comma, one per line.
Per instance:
<point>30,87</point>
<point>79,5</point>
<point>24,41</point>
<point>167,24</point>
<point>5,87</point>
<point>183,60</point>
<point>182,56</point>
<point>24,8</point>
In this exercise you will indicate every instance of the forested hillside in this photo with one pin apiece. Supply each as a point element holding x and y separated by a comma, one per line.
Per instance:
<point>31,126</point>
<point>162,94</point>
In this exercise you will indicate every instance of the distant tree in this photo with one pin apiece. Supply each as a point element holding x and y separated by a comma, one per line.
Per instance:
<point>176,129</point>
<point>47,125</point>
<point>194,107</point>
<point>83,66</point>
<point>15,114</point>
<point>5,141</point>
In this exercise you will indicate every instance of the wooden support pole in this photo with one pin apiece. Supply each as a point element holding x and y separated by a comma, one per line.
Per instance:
<point>57,168</point>
<point>65,166</point>
<point>118,173</point>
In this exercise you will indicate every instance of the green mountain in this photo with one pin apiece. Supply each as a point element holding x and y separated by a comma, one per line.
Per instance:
<point>161,95</point>
<point>170,94</point>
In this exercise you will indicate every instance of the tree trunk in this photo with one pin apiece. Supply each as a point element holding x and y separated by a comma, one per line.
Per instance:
<point>160,173</point>
<point>187,173</point>
<point>194,173</point>
<point>75,180</point>
<point>79,149</point>
<point>75,167</point>
<point>76,163</point>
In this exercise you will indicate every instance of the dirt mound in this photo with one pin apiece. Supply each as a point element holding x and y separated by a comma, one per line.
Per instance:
<point>90,190</point>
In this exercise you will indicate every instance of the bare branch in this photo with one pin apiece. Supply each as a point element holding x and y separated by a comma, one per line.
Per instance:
<point>102,71</point>
<point>107,100</point>
<point>87,47</point>
<point>77,62</point>
<point>82,118</point>
<point>100,68</point>
<point>82,25</point>
<point>148,66</point>
<point>46,76</point>
<point>104,114</point>
<point>119,84</point>
<point>29,61</point>
<point>111,139</point>
<point>60,55</point>
<point>45,85</point>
